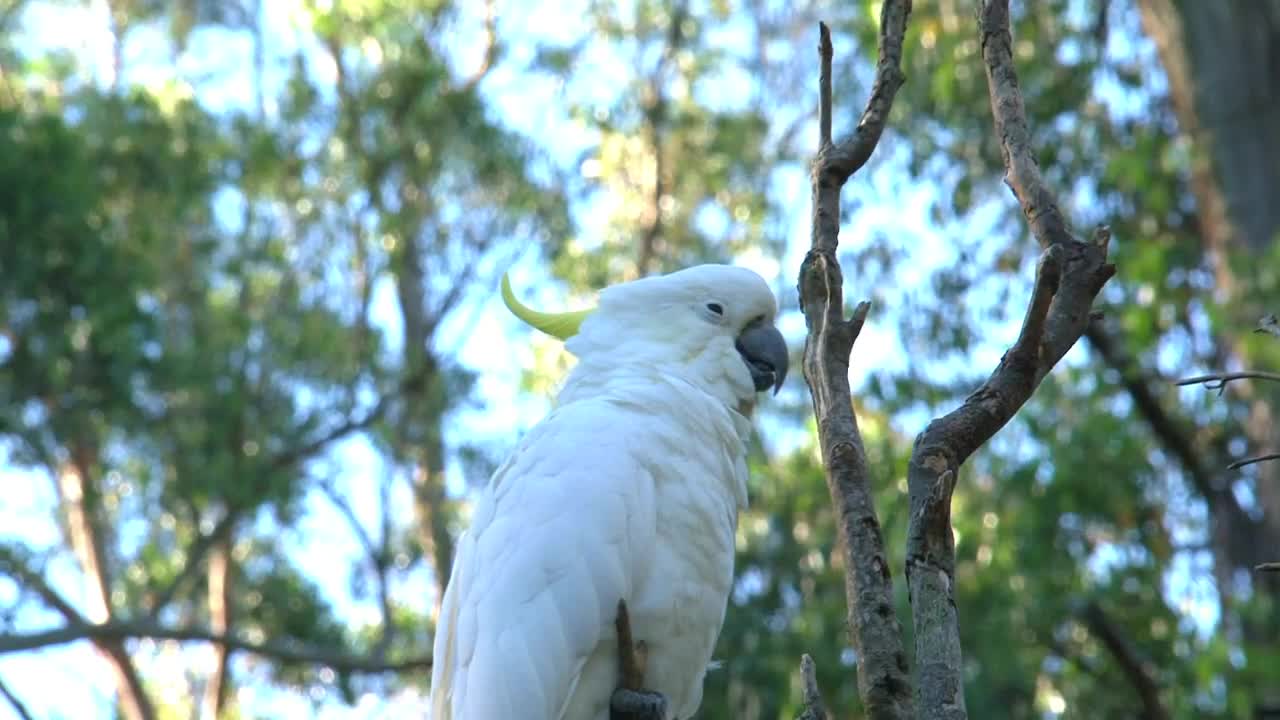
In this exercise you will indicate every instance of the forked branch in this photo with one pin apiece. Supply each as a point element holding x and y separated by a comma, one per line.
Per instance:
<point>873,624</point>
<point>1069,276</point>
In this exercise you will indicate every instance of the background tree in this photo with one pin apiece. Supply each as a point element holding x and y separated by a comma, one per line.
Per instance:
<point>190,326</point>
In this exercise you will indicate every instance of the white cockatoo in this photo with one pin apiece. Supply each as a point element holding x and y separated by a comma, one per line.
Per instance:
<point>629,490</point>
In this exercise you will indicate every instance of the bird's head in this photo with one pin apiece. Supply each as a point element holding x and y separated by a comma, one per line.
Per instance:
<point>710,325</point>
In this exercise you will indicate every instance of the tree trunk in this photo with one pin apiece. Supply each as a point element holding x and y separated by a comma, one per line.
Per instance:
<point>81,502</point>
<point>1223,63</point>
<point>220,604</point>
<point>421,435</point>
<point>1222,59</point>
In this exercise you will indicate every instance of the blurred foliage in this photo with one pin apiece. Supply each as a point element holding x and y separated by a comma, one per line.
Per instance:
<point>187,322</point>
<point>186,313</point>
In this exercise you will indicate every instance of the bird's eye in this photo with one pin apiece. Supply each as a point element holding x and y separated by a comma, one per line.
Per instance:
<point>716,308</point>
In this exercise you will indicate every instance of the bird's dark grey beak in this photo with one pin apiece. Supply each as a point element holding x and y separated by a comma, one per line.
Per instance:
<point>764,351</point>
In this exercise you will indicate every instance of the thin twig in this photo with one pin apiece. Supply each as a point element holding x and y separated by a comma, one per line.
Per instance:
<point>349,514</point>
<point>1253,460</point>
<point>13,564</point>
<point>377,554</point>
<point>14,701</point>
<point>349,426</point>
<point>1219,381</point>
<point>282,650</point>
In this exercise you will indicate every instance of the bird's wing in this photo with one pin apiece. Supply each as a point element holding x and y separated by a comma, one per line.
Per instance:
<point>557,538</point>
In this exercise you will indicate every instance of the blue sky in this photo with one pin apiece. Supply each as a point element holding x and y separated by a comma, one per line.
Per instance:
<point>72,682</point>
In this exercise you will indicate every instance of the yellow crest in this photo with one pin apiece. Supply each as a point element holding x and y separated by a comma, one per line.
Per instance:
<point>561,325</point>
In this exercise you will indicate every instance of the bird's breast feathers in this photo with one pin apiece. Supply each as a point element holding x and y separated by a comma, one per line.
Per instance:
<point>628,495</point>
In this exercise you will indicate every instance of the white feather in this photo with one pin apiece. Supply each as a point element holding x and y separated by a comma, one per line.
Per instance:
<point>629,490</point>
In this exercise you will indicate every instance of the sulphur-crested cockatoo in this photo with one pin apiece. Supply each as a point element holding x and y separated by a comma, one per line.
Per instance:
<point>629,490</point>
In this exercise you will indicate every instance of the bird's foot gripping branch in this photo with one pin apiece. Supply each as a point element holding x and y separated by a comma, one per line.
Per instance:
<point>631,701</point>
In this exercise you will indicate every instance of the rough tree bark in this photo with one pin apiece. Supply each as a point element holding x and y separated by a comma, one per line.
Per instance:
<point>873,624</point>
<point>1068,278</point>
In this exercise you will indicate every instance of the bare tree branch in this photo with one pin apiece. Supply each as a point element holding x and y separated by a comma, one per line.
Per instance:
<point>1022,172</point>
<point>814,709</point>
<point>310,449</point>
<point>383,562</point>
<point>632,656</point>
<point>80,500</point>
<point>349,514</point>
<point>281,650</point>
<point>134,702</point>
<point>1136,670</point>
<point>205,542</point>
<point>842,160</point>
<point>873,624</point>
<point>1069,276</point>
<point>30,579</point>
<point>1168,429</point>
<point>1232,530</point>
<point>14,702</point>
<point>377,554</point>
<point>420,432</point>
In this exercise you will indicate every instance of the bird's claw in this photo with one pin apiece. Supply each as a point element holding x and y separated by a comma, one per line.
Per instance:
<point>637,705</point>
